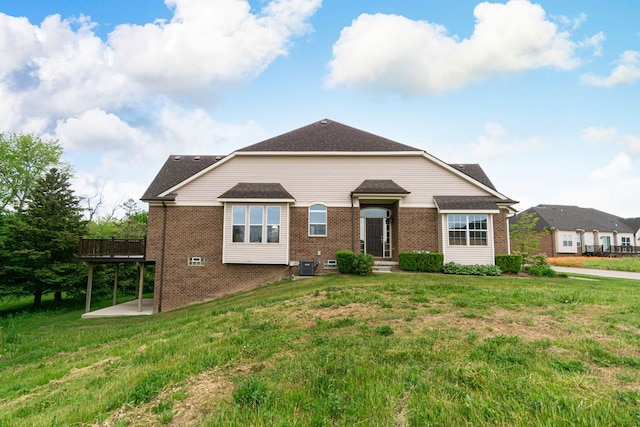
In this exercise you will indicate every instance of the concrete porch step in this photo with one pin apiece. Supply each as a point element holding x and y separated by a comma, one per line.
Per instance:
<point>383,266</point>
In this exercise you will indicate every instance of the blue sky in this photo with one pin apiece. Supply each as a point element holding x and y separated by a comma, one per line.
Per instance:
<point>544,95</point>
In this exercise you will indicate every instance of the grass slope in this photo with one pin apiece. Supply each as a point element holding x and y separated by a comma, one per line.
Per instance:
<point>386,350</point>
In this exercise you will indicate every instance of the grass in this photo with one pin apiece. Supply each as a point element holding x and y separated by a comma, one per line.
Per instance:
<point>618,264</point>
<point>388,350</point>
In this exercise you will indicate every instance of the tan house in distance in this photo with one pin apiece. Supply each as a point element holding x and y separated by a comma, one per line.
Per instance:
<point>220,225</point>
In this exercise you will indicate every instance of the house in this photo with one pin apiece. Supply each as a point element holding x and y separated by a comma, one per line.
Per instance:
<point>576,231</point>
<point>223,224</point>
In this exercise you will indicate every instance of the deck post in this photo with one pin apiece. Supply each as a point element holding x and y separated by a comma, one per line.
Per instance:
<point>87,307</point>
<point>115,284</point>
<point>140,284</point>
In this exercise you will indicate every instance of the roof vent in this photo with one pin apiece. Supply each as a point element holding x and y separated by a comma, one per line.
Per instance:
<point>218,158</point>
<point>177,157</point>
<point>196,158</point>
<point>324,122</point>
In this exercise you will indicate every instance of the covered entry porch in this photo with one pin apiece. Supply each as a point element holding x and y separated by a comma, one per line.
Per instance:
<point>378,201</point>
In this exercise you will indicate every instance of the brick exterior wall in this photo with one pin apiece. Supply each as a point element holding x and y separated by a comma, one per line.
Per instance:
<point>500,233</point>
<point>418,229</point>
<point>197,231</point>
<point>339,236</point>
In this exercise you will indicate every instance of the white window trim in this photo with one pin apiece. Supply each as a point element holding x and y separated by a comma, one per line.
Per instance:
<point>264,225</point>
<point>326,219</point>
<point>467,230</point>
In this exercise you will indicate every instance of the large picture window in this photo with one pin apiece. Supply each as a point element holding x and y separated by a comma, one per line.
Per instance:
<point>261,222</point>
<point>317,220</point>
<point>467,230</point>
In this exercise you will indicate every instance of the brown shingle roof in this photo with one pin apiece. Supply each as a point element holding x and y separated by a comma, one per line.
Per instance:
<point>175,170</point>
<point>468,203</point>
<point>566,217</point>
<point>379,186</point>
<point>257,190</point>
<point>327,135</point>
<point>474,171</point>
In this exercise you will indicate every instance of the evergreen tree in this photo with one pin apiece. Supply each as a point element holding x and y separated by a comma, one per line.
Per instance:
<point>41,242</point>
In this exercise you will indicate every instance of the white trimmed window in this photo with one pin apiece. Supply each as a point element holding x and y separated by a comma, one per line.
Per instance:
<point>567,240</point>
<point>578,240</point>
<point>255,224</point>
<point>625,241</point>
<point>467,230</point>
<point>317,220</point>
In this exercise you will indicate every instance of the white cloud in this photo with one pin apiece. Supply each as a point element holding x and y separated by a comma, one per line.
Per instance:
<point>394,52</point>
<point>611,135</point>
<point>627,71</point>
<point>208,41</point>
<point>60,68</point>
<point>498,143</point>
<point>600,134</point>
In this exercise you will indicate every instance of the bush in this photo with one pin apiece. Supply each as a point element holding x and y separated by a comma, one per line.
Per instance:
<point>363,264</point>
<point>471,269</point>
<point>421,261</point>
<point>345,260</point>
<point>536,270</point>
<point>509,263</point>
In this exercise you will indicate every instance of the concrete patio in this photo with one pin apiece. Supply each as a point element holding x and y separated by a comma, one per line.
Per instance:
<point>129,308</point>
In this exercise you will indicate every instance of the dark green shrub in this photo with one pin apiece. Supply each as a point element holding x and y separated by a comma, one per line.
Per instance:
<point>471,269</point>
<point>384,330</point>
<point>536,270</point>
<point>363,264</point>
<point>421,261</point>
<point>509,263</point>
<point>345,260</point>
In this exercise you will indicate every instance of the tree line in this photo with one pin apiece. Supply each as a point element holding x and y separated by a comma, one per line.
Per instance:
<point>42,220</point>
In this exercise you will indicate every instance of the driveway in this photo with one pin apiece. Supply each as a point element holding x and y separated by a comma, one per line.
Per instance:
<point>601,273</point>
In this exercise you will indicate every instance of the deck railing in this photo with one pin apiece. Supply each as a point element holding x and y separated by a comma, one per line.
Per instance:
<point>601,250</point>
<point>111,248</point>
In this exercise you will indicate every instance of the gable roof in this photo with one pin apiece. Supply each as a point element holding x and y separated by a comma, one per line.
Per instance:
<point>564,217</point>
<point>379,186</point>
<point>176,169</point>
<point>257,190</point>
<point>327,135</point>
<point>467,203</point>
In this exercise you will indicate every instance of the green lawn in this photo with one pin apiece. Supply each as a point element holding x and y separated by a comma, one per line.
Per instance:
<point>387,350</point>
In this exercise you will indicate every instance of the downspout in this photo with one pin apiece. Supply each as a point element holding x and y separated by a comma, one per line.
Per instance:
<point>353,228</point>
<point>162,255</point>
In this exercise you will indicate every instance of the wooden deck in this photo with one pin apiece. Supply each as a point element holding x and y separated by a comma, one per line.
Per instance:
<point>111,250</point>
<point>611,251</point>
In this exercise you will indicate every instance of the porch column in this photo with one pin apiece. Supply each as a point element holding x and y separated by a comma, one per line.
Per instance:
<point>87,306</point>
<point>140,283</point>
<point>115,284</point>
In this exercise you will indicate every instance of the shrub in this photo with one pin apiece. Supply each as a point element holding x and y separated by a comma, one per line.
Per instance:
<point>345,260</point>
<point>362,264</point>
<point>536,270</point>
<point>509,263</point>
<point>471,269</point>
<point>421,261</point>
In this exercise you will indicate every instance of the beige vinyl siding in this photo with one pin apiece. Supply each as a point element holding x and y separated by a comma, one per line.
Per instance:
<point>559,236</point>
<point>257,253</point>
<point>468,254</point>
<point>329,179</point>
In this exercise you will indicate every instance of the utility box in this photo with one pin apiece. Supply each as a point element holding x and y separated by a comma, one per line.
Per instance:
<point>307,268</point>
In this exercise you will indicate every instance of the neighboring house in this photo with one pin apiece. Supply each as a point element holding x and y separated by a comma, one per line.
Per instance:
<point>223,224</point>
<point>634,223</point>
<point>575,231</point>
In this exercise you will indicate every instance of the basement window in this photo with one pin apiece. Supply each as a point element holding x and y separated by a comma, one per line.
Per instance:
<point>195,261</point>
